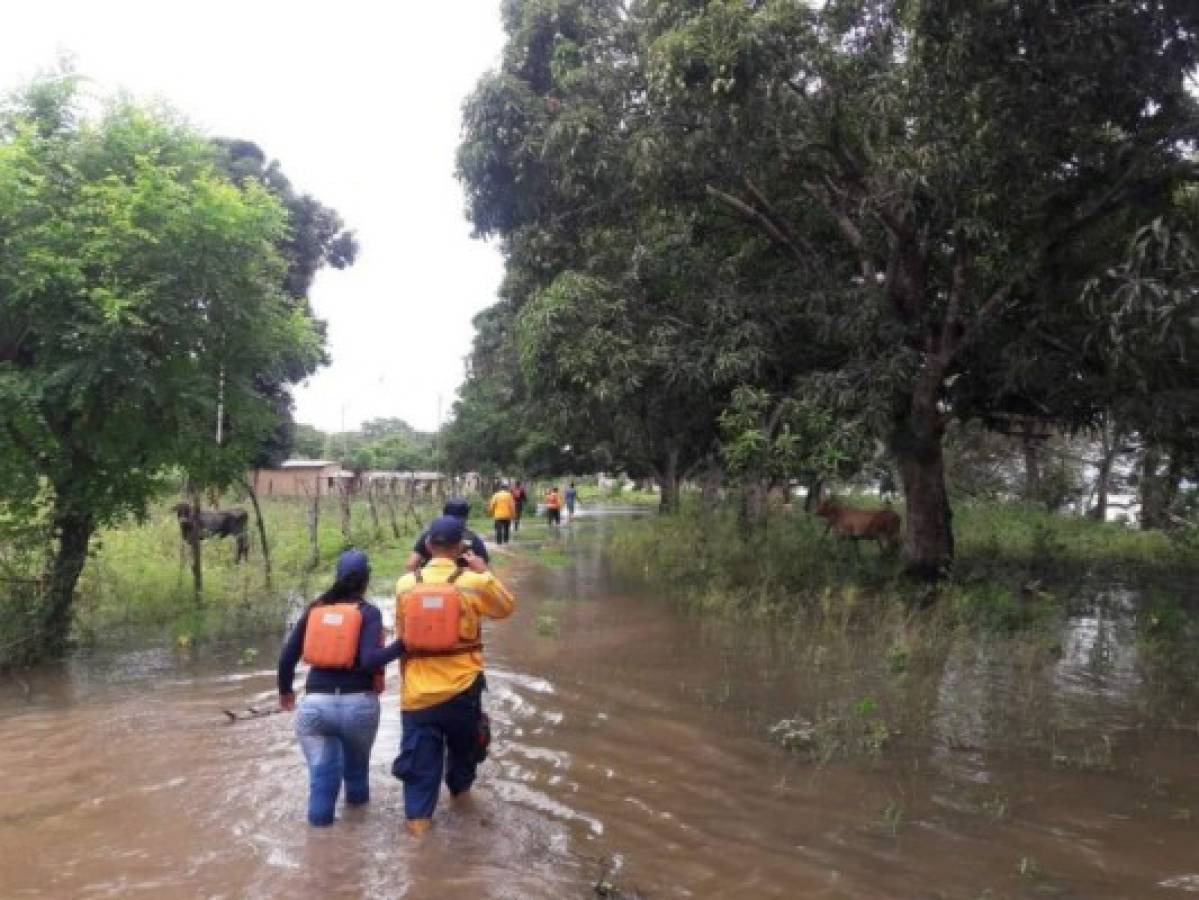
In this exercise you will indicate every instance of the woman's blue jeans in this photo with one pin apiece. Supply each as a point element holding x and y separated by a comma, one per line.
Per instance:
<point>336,733</point>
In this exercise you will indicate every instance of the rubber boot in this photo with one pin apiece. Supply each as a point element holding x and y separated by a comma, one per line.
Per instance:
<point>418,827</point>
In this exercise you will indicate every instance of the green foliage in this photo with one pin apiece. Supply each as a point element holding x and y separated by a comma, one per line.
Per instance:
<point>919,231</point>
<point>789,439</point>
<point>141,292</point>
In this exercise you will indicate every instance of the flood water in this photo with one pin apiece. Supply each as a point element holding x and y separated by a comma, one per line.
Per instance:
<point>632,739</point>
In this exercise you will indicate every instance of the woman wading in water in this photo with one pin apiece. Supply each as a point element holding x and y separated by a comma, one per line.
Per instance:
<point>340,636</point>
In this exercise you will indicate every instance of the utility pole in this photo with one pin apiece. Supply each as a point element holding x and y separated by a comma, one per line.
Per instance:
<point>438,463</point>
<point>344,438</point>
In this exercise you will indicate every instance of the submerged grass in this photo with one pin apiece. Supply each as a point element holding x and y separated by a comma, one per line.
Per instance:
<point>1015,564</point>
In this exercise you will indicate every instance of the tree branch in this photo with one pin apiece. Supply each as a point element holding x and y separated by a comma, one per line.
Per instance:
<point>849,230</point>
<point>762,220</point>
<point>779,222</point>
<point>951,328</point>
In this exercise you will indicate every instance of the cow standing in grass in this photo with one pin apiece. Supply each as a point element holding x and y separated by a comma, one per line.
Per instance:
<point>218,522</point>
<point>880,525</point>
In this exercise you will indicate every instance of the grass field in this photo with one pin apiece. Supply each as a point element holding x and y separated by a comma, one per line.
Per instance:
<point>139,578</point>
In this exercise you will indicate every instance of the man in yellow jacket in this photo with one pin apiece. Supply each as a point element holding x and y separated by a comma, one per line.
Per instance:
<point>445,730</point>
<point>502,507</point>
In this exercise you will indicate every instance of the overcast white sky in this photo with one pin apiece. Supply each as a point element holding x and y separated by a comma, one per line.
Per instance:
<point>360,101</point>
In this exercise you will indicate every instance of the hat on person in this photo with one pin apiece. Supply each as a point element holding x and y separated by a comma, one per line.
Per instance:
<point>352,562</point>
<point>456,507</point>
<point>446,530</point>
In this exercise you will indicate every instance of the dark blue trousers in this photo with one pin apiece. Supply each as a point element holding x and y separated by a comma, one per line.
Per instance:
<point>440,740</point>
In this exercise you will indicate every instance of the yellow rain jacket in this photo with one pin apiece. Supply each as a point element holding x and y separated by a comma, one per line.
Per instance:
<point>430,680</point>
<point>502,505</point>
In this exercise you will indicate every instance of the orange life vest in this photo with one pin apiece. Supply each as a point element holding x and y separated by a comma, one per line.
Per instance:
<point>430,618</point>
<point>331,638</point>
<point>553,500</point>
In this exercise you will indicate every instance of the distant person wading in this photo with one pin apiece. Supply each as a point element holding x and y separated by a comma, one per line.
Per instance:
<point>459,509</point>
<point>340,636</point>
<point>553,508</point>
<point>502,507</point>
<point>439,613</point>
<point>521,496</point>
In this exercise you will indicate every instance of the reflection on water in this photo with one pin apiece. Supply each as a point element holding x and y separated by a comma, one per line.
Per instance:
<point>633,740</point>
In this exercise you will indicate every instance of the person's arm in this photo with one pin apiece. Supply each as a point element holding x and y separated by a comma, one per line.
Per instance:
<point>495,600</point>
<point>289,658</point>
<point>479,549</point>
<point>419,555</point>
<point>371,655</point>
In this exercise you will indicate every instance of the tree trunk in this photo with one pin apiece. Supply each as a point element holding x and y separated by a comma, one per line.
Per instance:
<point>1032,466</point>
<point>74,531</point>
<point>1173,484</point>
<point>755,501</point>
<point>668,483</point>
<point>814,494</point>
<point>193,540</point>
<point>710,486</point>
<point>928,536</point>
<point>266,547</point>
<point>1110,442</point>
<point>1152,489</point>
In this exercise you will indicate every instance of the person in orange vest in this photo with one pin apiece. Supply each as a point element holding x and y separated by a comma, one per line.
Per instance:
<point>439,613</point>
<point>340,636</point>
<point>502,507</point>
<point>553,507</point>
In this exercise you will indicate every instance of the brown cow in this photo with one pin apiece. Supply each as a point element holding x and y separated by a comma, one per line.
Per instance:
<point>880,525</point>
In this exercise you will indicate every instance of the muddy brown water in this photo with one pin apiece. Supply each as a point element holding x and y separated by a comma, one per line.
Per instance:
<point>635,740</point>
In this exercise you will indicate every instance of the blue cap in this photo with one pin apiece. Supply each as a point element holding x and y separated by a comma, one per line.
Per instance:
<point>456,506</point>
<point>446,530</point>
<point>352,562</point>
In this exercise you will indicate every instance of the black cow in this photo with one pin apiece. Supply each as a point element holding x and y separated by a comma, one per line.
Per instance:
<point>219,522</point>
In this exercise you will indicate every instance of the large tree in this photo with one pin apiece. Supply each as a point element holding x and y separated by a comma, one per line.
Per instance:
<point>140,291</point>
<point>629,336</point>
<point>980,162</point>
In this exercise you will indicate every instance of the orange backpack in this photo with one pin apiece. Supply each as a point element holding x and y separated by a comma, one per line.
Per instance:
<point>430,618</point>
<point>331,636</point>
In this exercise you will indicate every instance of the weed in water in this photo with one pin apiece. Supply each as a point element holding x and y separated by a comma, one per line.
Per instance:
<point>865,706</point>
<point>1030,868</point>
<point>898,657</point>
<point>996,807</point>
<point>547,625</point>
<point>1090,755</point>
<point>853,730</point>
<point>891,818</point>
